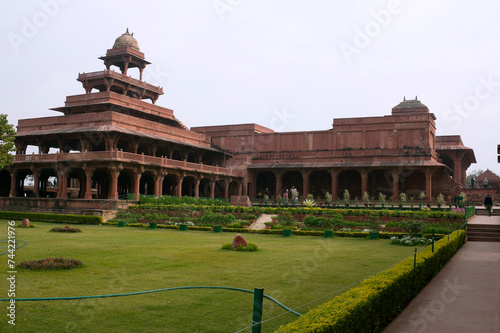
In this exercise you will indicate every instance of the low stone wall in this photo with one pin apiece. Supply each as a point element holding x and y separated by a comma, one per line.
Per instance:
<point>58,206</point>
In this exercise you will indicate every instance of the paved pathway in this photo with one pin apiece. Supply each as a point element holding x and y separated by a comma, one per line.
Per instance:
<point>259,223</point>
<point>463,298</point>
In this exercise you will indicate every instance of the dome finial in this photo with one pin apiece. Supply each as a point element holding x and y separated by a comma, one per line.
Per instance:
<point>404,98</point>
<point>416,98</point>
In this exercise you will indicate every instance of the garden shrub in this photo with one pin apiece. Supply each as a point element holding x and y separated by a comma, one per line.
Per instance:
<point>50,264</point>
<point>250,247</point>
<point>65,229</point>
<point>55,218</point>
<point>414,226</point>
<point>376,301</point>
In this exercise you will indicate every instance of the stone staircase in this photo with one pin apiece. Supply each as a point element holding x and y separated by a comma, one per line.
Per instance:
<point>483,232</point>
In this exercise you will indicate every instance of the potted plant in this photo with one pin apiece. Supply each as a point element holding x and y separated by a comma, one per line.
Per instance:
<point>252,218</point>
<point>268,225</point>
<point>375,228</point>
<point>274,218</point>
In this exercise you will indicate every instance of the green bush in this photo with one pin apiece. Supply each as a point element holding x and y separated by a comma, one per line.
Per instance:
<point>414,226</point>
<point>249,248</point>
<point>217,218</point>
<point>376,301</point>
<point>54,218</point>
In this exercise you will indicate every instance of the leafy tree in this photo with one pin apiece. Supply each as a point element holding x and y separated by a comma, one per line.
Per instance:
<point>473,173</point>
<point>7,133</point>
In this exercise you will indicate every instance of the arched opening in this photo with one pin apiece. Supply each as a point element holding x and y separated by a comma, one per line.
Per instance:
<point>100,181</point>
<point>350,180</point>
<point>204,188</point>
<point>76,183</point>
<point>188,186</point>
<point>412,182</point>
<point>4,183</point>
<point>233,188</point>
<point>125,181</point>
<point>266,184</point>
<point>320,182</point>
<point>380,181</point>
<point>147,184</point>
<point>169,185</point>
<point>220,189</point>
<point>48,183</point>
<point>292,179</point>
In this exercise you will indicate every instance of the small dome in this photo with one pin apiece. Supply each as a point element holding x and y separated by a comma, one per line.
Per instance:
<point>410,104</point>
<point>126,40</point>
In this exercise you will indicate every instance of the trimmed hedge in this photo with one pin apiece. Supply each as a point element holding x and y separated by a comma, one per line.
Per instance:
<point>376,301</point>
<point>54,218</point>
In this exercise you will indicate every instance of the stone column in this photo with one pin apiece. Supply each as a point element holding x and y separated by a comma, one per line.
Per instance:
<point>62,184</point>
<point>137,181</point>
<point>334,174</point>
<point>13,183</point>
<point>159,176</point>
<point>113,187</point>
<point>36,180</point>
<point>428,183</point>
<point>364,181</point>
<point>212,188</point>
<point>395,184</point>
<point>240,188</point>
<point>305,182</point>
<point>278,174</point>
<point>226,188</point>
<point>180,178</point>
<point>89,172</point>
<point>197,181</point>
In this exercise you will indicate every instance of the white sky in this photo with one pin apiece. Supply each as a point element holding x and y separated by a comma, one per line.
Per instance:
<point>277,63</point>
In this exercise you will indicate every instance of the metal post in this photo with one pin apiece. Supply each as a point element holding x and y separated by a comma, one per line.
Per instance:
<point>432,240</point>
<point>258,298</point>
<point>414,272</point>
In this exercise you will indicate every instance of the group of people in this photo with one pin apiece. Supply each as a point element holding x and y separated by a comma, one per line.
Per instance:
<point>293,194</point>
<point>473,183</point>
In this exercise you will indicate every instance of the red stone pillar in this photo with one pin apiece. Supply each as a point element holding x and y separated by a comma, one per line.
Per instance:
<point>159,176</point>
<point>180,178</point>
<point>240,188</point>
<point>62,184</point>
<point>36,180</point>
<point>428,183</point>
<point>395,185</point>
<point>89,172</point>
<point>113,187</point>
<point>137,182</point>
<point>305,182</point>
<point>334,174</point>
<point>13,183</point>
<point>197,181</point>
<point>278,174</point>
<point>226,188</point>
<point>212,188</point>
<point>364,181</point>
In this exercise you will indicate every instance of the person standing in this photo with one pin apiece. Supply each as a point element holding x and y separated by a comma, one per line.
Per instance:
<point>488,203</point>
<point>472,181</point>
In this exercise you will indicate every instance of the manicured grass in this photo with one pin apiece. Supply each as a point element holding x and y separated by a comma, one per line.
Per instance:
<point>295,270</point>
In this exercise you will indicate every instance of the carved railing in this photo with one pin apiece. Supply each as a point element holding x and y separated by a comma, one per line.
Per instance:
<point>121,156</point>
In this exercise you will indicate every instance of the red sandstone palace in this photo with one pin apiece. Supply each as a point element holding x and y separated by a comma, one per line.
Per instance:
<point>110,142</point>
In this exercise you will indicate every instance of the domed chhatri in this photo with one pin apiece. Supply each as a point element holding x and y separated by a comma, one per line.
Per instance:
<point>126,40</point>
<point>410,106</point>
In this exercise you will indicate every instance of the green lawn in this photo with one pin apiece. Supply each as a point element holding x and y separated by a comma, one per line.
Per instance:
<point>295,270</point>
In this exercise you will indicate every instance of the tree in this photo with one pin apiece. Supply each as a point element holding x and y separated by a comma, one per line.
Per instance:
<point>473,173</point>
<point>7,133</point>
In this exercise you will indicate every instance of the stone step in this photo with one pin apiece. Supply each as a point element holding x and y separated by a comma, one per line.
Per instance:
<point>483,239</point>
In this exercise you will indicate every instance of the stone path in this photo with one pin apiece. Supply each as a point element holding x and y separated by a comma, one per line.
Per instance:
<point>259,223</point>
<point>464,297</point>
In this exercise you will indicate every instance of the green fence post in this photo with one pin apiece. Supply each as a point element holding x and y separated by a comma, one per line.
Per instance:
<point>432,240</point>
<point>258,298</point>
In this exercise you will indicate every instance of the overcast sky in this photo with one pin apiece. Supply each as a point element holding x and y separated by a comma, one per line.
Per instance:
<point>284,64</point>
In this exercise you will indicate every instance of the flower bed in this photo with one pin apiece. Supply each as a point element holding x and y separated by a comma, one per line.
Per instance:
<point>50,264</point>
<point>65,229</point>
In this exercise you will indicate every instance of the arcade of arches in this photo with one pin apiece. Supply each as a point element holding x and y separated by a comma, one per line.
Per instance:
<point>336,181</point>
